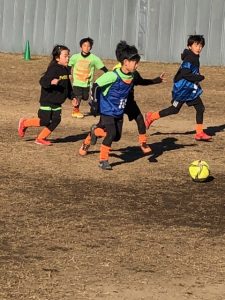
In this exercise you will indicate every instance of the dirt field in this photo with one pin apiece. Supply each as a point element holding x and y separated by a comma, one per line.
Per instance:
<point>144,230</point>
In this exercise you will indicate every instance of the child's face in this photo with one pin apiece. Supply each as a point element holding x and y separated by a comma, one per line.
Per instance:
<point>85,48</point>
<point>63,58</point>
<point>129,66</point>
<point>196,48</point>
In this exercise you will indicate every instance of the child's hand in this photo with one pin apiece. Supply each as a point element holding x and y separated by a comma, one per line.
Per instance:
<point>55,81</point>
<point>162,77</point>
<point>75,102</point>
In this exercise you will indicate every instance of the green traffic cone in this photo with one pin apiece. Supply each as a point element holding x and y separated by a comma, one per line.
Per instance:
<point>27,51</point>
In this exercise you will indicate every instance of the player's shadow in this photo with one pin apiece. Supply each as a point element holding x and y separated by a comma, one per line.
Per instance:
<point>212,130</point>
<point>70,138</point>
<point>67,139</point>
<point>130,154</point>
<point>167,144</point>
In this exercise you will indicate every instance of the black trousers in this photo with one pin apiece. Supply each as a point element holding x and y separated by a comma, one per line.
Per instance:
<point>50,118</point>
<point>176,106</point>
<point>133,112</point>
<point>81,93</point>
<point>113,127</point>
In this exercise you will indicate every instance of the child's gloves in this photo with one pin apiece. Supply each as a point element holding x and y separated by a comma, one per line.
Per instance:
<point>94,100</point>
<point>94,106</point>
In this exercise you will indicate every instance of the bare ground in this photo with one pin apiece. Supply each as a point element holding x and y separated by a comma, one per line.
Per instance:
<point>144,230</point>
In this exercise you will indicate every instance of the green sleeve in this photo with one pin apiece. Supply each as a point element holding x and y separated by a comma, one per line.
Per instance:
<point>72,60</point>
<point>106,79</point>
<point>98,63</point>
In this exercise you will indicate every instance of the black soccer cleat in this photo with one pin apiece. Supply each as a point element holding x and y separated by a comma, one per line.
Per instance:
<point>104,165</point>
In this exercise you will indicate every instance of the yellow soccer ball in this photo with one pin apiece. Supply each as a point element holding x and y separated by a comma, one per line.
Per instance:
<point>199,170</point>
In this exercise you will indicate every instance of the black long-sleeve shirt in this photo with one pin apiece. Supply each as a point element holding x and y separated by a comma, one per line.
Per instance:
<point>138,80</point>
<point>189,56</point>
<point>55,94</point>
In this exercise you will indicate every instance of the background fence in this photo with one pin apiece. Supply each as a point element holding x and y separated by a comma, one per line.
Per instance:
<point>159,28</point>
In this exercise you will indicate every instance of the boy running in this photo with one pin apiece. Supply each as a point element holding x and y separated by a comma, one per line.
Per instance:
<point>112,90</point>
<point>55,89</point>
<point>133,111</point>
<point>186,88</point>
<point>83,66</point>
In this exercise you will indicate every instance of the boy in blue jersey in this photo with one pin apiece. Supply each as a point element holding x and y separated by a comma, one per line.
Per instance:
<point>132,109</point>
<point>186,88</point>
<point>112,90</point>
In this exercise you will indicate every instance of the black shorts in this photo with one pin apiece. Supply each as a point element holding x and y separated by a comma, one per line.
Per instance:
<point>179,104</point>
<point>113,127</point>
<point>50,117</point>
<point>81,93</point>
<point>132,110</point>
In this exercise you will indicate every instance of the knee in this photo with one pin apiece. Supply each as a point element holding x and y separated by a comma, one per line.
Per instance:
<point>140,119</point>
<point>44,122</point>
<point>55,122</point>
<point>141,123</point>
<point>201,109</point>
<point>114,137</point>
<point>85,97</point>
<point>174,110</point>
<point>117,138</point>
<point>111,137</point>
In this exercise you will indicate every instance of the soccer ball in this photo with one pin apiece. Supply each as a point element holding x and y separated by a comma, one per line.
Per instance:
<point>199,170</point>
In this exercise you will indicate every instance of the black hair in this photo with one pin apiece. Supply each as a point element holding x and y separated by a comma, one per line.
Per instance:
<point>125,51</point>
<point>88,39</point>
<point>57,50</point>
<point>197,38</point>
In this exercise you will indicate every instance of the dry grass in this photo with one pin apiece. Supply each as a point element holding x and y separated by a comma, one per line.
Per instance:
<point>142,231</point>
